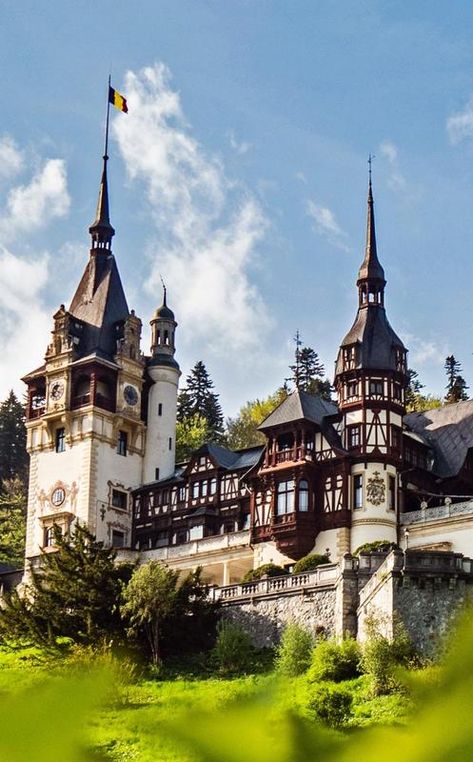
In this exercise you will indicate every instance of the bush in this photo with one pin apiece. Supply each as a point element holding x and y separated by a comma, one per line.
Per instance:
<point>266,570</point>
<point>294,652</point>
<point>233,649</point>
<point>310,562</point>
<point>331,704</point>
<point>335,661</point>
<point>379,546</point>
<point>381,657</point>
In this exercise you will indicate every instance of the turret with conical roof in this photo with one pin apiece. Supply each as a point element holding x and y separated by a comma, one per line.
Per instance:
<point>163,371</point>
<point>371,343</point>
<point>370,377</point>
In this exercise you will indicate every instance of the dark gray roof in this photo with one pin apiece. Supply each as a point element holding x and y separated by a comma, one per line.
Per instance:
<point>100,303</point>
<point>300,406</point>
<point>449,431</point>
<point>375,339</point>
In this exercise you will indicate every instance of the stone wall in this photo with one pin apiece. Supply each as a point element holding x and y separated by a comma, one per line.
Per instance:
<point>265,618</point>
<point>424,590</point>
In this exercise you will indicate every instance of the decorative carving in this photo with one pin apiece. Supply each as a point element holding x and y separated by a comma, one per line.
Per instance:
<point>376,489</point>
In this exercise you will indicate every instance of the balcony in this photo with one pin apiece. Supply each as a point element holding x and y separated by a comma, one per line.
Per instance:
<point>199,547</point>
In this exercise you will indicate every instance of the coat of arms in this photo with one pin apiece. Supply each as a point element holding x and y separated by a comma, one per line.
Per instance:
<point>376,490</point>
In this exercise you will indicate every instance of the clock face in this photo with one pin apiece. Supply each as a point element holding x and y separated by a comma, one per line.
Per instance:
<point>57,390</point>
<point>58,496</point>
<point>130,394</point>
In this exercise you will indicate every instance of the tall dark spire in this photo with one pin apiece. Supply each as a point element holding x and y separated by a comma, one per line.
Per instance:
<point>101,230</point>
<point>371,281</point>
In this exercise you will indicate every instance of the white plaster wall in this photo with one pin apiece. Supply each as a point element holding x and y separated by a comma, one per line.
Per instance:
<point>327,539</point>
<point>458,531</point>
<point>162,428</point>
<point>267,553</point>
<point>373,522</point>
<point>109,470</point>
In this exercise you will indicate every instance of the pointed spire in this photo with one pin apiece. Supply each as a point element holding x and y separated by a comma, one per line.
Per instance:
<point>101,230</point>
<point>371,274</point>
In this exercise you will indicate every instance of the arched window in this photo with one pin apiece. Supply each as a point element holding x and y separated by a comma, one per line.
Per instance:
<point>303,502</point>
<point>285,498</point>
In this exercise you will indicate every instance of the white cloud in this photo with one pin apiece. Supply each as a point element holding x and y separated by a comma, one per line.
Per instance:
<point>423,352</point>
<point>34,205</point>
<point>208,227</point>
<point>396,180</point>
<point>460,125</point>
<point>25,321</point>
<point>301,177</point>
<point>326,225</point>
<point>11,158</point>
<point>240,147</point>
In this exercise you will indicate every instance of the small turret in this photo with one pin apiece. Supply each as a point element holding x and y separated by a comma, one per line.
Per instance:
<point>164,372</point>
<point>163,329</point>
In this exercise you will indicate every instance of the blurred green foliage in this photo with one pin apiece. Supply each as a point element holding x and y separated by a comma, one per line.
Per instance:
<point>100,715</point>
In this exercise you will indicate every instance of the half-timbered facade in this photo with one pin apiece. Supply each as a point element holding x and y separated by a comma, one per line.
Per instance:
<point>332,475</point>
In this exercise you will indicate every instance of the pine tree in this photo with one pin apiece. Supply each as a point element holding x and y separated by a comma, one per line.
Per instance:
<point>308,371</point>
<point>12,522</point>
<point>75,592</point>
<point>413,387</point>
<point>13,455</point>
<point>198,398</point>
<point>456,384</point>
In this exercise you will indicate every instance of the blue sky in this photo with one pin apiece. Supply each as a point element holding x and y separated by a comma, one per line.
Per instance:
<point>240,173</point>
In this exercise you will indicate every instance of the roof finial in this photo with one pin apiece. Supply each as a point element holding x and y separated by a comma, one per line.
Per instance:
<point>101,230</point>
<point>164,289</point>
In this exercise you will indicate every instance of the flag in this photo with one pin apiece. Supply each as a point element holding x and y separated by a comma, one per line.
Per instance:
<point>117,100</point>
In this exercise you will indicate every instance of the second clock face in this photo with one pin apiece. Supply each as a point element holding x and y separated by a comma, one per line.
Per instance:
<point>57,390</point>
<point>130,394</point>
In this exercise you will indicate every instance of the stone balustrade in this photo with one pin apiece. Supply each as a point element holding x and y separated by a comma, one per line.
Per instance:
<point>436,512</point>
<point>322,577</point>
<point>194,548</point>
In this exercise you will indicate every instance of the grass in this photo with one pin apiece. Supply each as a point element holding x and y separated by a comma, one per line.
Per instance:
<point>132,721</point>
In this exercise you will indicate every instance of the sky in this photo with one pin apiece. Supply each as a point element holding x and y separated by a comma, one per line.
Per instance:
<point>239,174</point>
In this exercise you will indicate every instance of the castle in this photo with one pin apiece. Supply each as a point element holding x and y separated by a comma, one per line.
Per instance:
<point>101,422</point>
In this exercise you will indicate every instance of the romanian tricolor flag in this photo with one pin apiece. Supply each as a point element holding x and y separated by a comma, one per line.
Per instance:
<point>117,100</point>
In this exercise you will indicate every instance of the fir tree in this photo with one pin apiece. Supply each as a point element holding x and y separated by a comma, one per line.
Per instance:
<point>13,455</point>
<point>75,592</point>
<point>12,522</point>
<point>199,398</point>
<point>456,384</point>
<point>308,371</point>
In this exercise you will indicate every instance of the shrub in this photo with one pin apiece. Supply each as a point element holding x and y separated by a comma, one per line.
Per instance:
<point>381,656</point>
<point>310,562</point>
<point>294,652</point>
<point>331,704</point>
<point>381,546</point>
<point>266,570</point>
<point>233,649</point>
<point>335,661</point>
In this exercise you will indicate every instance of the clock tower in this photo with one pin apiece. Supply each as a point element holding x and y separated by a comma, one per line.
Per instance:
<point>86,430</point>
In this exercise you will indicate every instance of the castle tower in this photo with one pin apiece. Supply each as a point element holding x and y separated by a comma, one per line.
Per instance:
<point>84,422</point>
<point>160,452</point>
<point>370,379</point>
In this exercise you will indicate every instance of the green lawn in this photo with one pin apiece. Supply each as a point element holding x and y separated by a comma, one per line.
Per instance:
<point>148,720</point>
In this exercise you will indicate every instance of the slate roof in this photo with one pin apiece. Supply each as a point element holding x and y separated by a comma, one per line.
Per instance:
<point>100,303</point>
<point>376,340</point>
<point>229,459</point>
<point>300,406</point>
<point>449,431</point>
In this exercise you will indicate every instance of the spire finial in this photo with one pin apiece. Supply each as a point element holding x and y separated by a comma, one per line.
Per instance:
<point>164,289</point>
<point>101,230</point>
<point>371,274</point>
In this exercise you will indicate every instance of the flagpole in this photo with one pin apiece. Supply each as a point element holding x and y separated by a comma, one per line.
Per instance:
<point>108,117</point>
